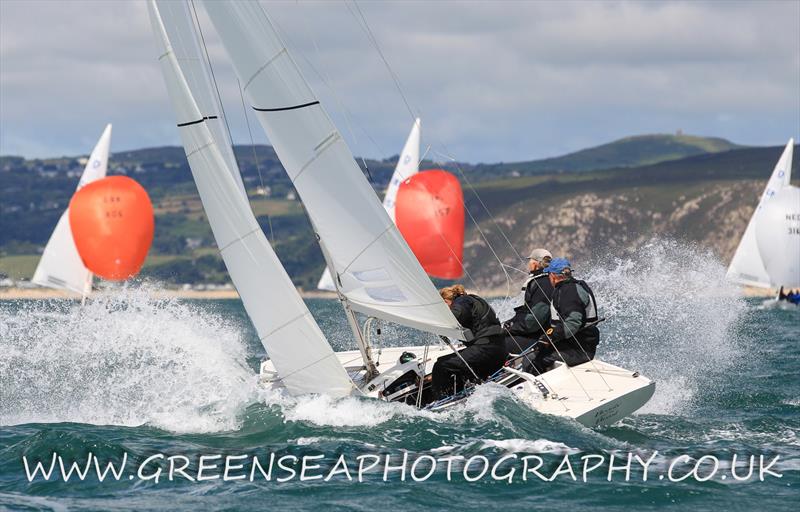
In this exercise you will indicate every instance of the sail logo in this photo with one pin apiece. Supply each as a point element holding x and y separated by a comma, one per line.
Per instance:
<point>95,163</point>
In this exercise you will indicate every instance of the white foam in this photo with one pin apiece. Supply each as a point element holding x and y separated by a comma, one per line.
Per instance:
<point>323,410</point>
<point>671,316</point>
<point>123,359</point>
<point>529,446</point>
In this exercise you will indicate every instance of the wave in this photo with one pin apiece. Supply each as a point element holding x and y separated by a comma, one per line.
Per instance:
<point>123,359</point>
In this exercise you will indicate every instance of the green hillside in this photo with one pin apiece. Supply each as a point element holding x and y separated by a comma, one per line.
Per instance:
<point>705,198</point>
<point>628,152</point>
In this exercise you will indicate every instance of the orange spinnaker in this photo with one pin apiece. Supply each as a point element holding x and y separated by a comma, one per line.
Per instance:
<point>429,212</point>
<point>112,225</point>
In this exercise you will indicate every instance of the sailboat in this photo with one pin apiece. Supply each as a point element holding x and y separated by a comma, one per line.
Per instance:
<point>374,271</point>
<point>61,267</point>
<point>407,166</point>
<point>768,255</point>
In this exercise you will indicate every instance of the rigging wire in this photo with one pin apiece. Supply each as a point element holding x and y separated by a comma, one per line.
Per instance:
<point>255,158</point>
<point>196,20</point>
<point>326,81</point>
<point>375,44</point>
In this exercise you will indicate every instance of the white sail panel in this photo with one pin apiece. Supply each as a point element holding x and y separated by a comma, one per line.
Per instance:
<point>778,237</point>
<point>747,266</point>
<point>376,271</point>
<point>297,347</point>
<point>183,36</point>
<point>407,166</point>
<point>61,266</point>
<point>326,281</point>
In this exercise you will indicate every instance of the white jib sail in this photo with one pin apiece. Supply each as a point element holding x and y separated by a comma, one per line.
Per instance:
<point>183,37</point>
<point>294,342</point>
<point>407,166</point>
<point>377,272</point>
<point>747,266</point>
<point>61,266</point>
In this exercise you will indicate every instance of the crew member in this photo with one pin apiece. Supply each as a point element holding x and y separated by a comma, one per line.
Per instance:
<point>573,335</point>
<point>484,354</point>
<point>532,317</point>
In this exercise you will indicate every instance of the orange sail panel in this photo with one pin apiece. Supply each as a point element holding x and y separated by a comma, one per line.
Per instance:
<point>112,224</point>
<point>430,215</point>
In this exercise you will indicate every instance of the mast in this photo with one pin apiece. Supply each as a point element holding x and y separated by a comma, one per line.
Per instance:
<point>363,345</point>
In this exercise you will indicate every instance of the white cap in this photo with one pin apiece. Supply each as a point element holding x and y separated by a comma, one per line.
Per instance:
<point>540,254</point>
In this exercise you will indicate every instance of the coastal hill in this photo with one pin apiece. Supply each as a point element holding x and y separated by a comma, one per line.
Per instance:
<point>607,199</point>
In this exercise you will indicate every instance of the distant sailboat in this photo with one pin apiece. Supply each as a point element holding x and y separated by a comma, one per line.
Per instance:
<point>378,275</point>
<point>61,266</point>
<point>768,255</point>
<point>407,166</point>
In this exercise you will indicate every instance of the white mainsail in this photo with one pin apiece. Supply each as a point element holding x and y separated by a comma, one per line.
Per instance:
<point>61,266</point>
<point>376,272</point>
<point>294,342</point>
<point>407,166</point>
<point>196,70</point>
<point>747,266</point>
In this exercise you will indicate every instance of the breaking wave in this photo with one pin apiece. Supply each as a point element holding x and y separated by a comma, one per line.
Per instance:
<point>123,359</point>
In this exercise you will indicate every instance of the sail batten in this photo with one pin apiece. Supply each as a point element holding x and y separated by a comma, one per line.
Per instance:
<point>358,234</point>
<point>301,355</point>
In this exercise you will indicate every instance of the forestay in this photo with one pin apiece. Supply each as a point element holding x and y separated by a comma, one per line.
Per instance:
<point>298,349</point>
<point>747,266</point>
<point>377,273</point>
<point>61,266</point>
<point>185,42</point>
<point>407,166</point>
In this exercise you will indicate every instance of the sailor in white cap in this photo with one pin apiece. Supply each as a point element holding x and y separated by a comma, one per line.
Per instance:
<point>533,315</point>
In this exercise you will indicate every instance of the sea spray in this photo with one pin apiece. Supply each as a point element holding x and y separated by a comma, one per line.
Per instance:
<point>671,316</point>
<point>123,359</point>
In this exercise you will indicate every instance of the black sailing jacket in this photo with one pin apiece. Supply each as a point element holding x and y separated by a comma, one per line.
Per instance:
<point>477,315</point>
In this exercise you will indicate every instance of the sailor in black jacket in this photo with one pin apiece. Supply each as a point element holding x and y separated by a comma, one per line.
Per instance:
<point>485,353</point>
<point>531,317</point>
<point>573,335</point>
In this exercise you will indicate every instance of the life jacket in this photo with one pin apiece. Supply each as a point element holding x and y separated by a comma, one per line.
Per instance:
<point>524,295</point>
<point>590,309</point>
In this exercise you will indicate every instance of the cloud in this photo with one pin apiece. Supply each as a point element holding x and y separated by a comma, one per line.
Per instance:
<point>493,81</point>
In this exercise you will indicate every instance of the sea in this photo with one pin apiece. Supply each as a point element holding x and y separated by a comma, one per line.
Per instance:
<point>161,397</point>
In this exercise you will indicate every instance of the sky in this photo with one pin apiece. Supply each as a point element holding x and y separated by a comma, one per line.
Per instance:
<point>491,81</point>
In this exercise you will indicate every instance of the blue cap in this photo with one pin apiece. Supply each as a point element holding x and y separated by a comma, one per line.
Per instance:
<point>557,266</point>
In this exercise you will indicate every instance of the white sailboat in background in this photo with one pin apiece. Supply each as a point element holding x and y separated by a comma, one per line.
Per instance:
<point>768,255</point>
<point>61,266</point>
<point>407,166</point>
<point>378,276</point>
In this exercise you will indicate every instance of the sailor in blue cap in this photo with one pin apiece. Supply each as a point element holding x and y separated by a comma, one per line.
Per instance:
<point>573,335</point>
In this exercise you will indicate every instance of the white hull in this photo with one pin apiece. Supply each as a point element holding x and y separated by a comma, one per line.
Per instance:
<point>594,393</point>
